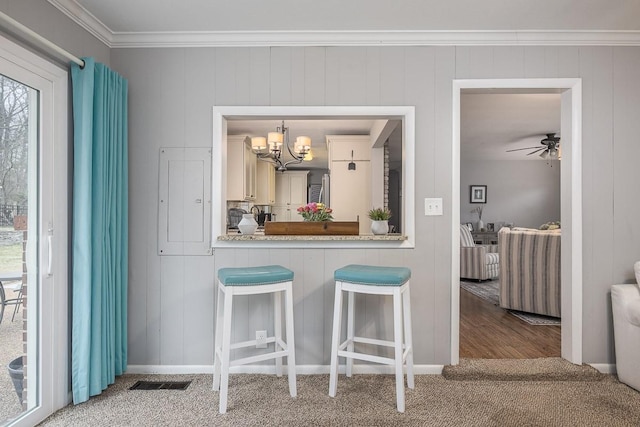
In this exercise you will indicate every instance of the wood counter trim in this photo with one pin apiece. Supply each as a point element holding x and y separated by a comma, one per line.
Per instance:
<point>312,228</point>
<point>263,238</point>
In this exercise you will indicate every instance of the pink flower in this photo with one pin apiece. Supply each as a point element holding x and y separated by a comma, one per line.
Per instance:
<point>315,212</point>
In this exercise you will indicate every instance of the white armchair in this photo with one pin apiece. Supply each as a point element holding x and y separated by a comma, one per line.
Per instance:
<point>625,302</point>
<point>476,261</point>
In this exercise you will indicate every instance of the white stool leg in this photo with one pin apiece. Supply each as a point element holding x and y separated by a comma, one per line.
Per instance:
<point>335,340</point>
<point>291,346</point>
<point>226,349</point>
<point>277,313</point>
<point>408,334</point>
<point>218,339</point>
<point>350,330</point>
<point>397,338</point>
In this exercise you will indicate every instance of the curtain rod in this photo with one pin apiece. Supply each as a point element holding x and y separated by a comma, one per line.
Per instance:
<point>37,39</point>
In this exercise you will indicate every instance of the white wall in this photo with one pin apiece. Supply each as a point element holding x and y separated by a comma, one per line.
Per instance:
<point>173,90</point>
<point>50,23</point>
<point>171,95</point>
<point>524,192</point>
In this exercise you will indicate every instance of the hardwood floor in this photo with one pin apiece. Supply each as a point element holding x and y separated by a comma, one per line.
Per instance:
<point>490,332</point>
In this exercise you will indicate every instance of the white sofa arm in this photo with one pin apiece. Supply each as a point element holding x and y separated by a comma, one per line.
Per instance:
<point>625,303</point>
<point>626,300</point>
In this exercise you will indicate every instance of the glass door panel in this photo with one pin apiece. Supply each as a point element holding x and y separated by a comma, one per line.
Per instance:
<point>18,241</point>
<point>34,201</point>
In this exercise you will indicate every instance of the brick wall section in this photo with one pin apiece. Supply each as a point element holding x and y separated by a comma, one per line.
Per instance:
<point>386,174</point>
<point>20,224</point>
<point>24,317</point>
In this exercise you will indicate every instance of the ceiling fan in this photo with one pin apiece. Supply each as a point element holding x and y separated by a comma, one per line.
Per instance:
<point>549,151</point>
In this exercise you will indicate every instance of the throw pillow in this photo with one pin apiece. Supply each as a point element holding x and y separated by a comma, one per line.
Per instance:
<point>553,225</point>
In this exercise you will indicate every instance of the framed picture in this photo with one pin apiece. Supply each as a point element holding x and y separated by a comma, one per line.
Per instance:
<point>477,194</point>
<point>491,226</point>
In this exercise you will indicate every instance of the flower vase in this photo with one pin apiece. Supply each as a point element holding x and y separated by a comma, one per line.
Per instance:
<point>380,227</point>
<point>248,224</point>
<point>479,225</point>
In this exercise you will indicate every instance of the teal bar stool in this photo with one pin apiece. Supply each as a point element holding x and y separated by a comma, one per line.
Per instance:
<point>365,279</point>
<point>251,281</point>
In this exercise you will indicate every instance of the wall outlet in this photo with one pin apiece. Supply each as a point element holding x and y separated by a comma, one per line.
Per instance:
<point>261,339</point>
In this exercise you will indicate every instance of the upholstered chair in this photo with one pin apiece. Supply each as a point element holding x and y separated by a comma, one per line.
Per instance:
<point>477,262</point>
<point>625,301</point>
<point>530,272</point>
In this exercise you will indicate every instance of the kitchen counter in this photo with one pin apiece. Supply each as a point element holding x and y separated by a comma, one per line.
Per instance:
<point>235,237</point>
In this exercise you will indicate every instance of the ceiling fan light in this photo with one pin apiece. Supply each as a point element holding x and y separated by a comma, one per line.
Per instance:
<point>553,153</point>
<point>544,154</point>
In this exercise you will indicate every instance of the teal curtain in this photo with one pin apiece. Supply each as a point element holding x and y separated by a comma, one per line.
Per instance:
<point>100,229</point>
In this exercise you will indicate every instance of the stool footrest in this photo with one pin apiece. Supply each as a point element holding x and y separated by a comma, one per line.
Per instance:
<point>258,358</point>
<point>250,343</point>
<point>367,357</point>
<point>372,341</point>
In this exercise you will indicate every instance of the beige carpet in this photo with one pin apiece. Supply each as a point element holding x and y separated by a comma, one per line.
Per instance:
<point>364,400</point>
<point>544,369</point>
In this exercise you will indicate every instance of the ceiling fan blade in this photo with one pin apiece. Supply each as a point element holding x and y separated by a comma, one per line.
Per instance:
<point>537,151</point>
<point>519,149</point>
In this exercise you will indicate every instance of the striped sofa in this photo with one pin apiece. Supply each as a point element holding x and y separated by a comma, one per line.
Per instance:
<point>477,262</point>
<point>530,270</point>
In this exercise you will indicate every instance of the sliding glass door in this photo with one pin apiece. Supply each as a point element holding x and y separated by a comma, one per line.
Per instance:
<point>33,237</point>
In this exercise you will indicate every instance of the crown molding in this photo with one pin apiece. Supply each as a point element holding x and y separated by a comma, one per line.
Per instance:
<point>375,38</point>
<point>85,19</point>
<point>114,40</point>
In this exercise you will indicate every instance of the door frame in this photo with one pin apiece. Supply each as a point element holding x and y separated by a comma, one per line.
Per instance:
<point>571,205</point>
<point>53,228</point>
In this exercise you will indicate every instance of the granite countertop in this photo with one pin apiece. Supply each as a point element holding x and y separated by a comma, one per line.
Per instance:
<point>234,237</point>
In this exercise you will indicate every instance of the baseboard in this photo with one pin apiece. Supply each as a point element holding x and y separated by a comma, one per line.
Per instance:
<point>270,369</point>
<point>605,368</point>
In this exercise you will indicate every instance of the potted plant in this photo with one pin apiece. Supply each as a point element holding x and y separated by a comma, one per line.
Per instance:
<point>379,220</point>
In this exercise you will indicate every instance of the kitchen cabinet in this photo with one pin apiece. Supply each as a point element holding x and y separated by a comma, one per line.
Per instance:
<point>241,168</point>
<point>291,193</point>
<point>339,147</point>
<point>265,183</point>
<point>350,189</point>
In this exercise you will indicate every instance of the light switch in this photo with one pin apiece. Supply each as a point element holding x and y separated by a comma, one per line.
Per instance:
<point>433,206</point>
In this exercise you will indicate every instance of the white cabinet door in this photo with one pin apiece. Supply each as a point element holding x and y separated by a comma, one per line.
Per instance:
<point>283,185</point>
<point>348,199</point>
<point>265,184</point>
<point>249,160</point>
<point>341,146</point>
<point>298,189</point>
<point>291,193</point>
<point>241,168</point>
<point>281,212</point>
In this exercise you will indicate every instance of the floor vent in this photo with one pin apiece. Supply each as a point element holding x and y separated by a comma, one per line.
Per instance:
<point>160,385</point>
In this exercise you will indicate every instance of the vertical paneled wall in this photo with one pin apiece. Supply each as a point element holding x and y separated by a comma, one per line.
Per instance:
<point>172,92</point>
<point>46,20</point>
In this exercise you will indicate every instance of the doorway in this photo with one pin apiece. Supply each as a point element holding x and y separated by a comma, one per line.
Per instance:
<point>34,228</point>
<point>502,156</point>
<point>571,196</point>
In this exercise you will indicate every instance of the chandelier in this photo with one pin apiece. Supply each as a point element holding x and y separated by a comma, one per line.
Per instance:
<point>271,148</point>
